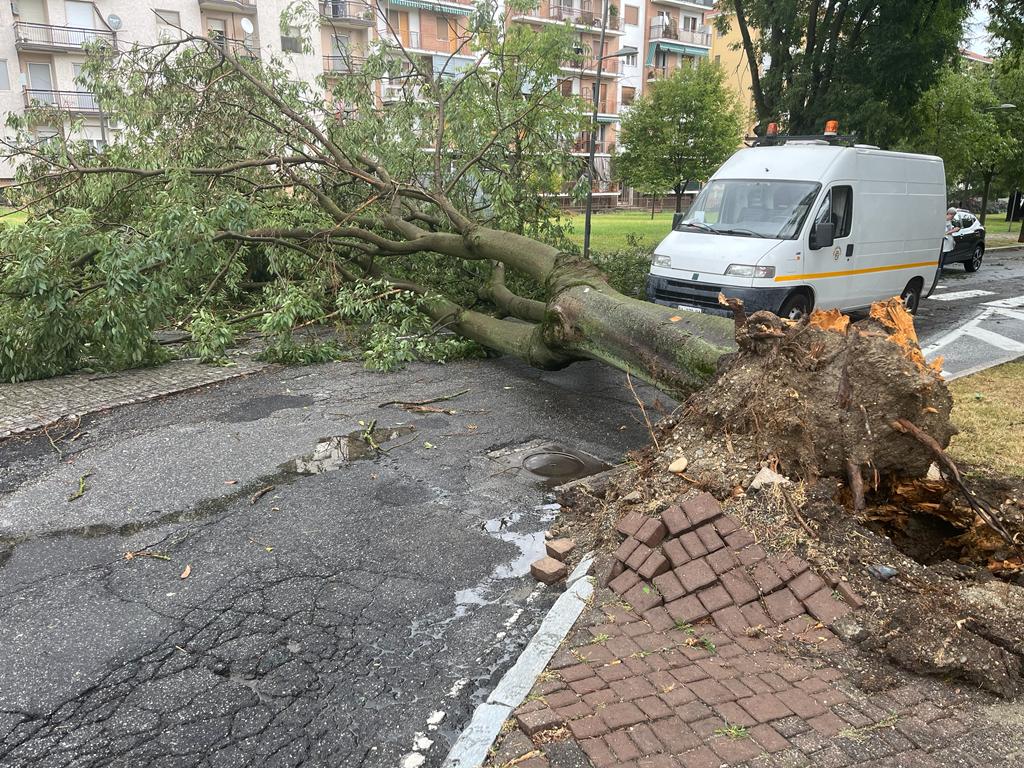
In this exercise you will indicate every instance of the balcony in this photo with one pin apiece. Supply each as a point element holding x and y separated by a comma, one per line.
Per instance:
<point>343,65</point>
<point>609,67</point>
<point>76,102</point>
<point>601,147</point>
<point>47,37</point>
<point>669,30</point>
<point>584,14</point>
<point>605,106</point>
<point>229,6</point>
<point>347,12</point>
<point>242,49</point>
<point>694,5</point>
<point>407,38</point>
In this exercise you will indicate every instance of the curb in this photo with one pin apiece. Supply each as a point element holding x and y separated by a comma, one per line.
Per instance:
<point>471,748</point>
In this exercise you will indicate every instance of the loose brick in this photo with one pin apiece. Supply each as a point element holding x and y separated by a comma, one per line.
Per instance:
<point>796,564</point>
<point>722,561</point>
<point>652,532</point>
<point>764,576</point>
<point>539,720</point>
<point>676,735</point>
<point>624,582</point>
<point>642,597</point>
<point>765,707</point>
<point>693,545</point>
<point>622,746</point>
<point>548,570</point>
<point>674,551</point>
<point>622,715</point>
<point>560,548</point>
<point>655,565</point>
<point>824,607</point>
<point>613,570</point>
<point>850,597</point>
<point>588,727</point>
<point>783,605</point>
<point>645,740</point>
<point>806,584</point>
<point>755,616</point>
<point>638,556</point>
<point>701,508</point>
<point>625,549</point>
<point>709,538</point>
<point>694,575</point>
<point>740,587</point>
<point>659,619</point>
<point>714,598</point>
<point>771,741</point>
<point>730,619</point>
<point>675,520</point>
<point>751,555</point>
<point>630,524</point>
<point>725,525</point>
<point>669,586</point>
<point>686,610</point>
<point>739,539</point>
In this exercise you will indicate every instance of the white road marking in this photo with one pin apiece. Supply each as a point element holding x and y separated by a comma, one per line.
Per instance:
<point>957,295</point>
<point>1010,314</point>
<point>996,339</point>
<point>1011,303</point>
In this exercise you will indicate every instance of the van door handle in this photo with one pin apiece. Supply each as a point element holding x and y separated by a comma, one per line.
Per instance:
<point>849,251</point>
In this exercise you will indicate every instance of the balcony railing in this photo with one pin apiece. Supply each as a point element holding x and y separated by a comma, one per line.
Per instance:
<point>583,14</point>
<point>669,30</point>
<point>606,105</point>
<point>241,48</point>
<point>610,66</point>
<point>347,10</point>
<point>408,38</point>
<point>582,146</point>
<point>28,35</point>
<point>65,101</point>
<point>343,65</point>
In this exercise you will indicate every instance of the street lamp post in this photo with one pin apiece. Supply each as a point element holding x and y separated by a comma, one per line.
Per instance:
<point>596,93</point>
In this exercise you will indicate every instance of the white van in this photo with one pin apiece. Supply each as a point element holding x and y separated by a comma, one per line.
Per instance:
<point>805,225</point>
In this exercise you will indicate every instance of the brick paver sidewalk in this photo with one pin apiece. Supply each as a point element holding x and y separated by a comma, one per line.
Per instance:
<point>707,652</point>
<point>36,404</point>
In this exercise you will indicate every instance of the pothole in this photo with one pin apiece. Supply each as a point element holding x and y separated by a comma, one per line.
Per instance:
<point>555,465</point>
<point>333,453</point>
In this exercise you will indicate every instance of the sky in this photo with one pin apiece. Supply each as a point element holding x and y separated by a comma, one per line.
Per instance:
<point>976,37</point>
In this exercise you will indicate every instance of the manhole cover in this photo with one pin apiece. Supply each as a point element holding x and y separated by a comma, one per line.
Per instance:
<point>553,464</point>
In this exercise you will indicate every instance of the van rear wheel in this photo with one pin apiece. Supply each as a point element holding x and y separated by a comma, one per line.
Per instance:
<point>911,296</point>
<point>796,306</point>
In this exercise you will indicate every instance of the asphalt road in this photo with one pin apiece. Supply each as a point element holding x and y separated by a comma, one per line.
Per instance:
<point>975,320</point>
<point>340,620</point>
<point>349,618</point>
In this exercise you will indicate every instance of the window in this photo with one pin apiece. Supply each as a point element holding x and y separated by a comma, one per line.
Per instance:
<point>5,76</point>
<point>689,23</point>
<point>291,42</point>
<point>632,15</point>
<point>749,208</point>
<point>168,25</point>
<point>628,95</point>
<point>837,207</point>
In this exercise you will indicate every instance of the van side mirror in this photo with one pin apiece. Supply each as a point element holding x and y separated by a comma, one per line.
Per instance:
<point>676,218</point>
<point>823,235</point>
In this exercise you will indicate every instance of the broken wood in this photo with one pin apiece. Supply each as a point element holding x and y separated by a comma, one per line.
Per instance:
<point>420,403</point>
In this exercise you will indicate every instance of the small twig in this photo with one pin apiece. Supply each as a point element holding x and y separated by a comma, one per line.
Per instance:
<point>422,402</point>
<point>398,445</point>
<point>261,493</point>
<point>856,485</point>
<point>643,410</point>
<point>82,487</point>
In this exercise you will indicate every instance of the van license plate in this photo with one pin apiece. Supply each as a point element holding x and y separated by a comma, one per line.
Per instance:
<point>685,308</point>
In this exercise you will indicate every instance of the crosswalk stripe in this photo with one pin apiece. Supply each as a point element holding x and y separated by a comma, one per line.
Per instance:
<point>995,339</point>
<point>957,295</point>
<point>1011,303</point>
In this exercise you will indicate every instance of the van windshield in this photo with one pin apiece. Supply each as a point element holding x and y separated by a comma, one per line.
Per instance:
<point>749,208</point>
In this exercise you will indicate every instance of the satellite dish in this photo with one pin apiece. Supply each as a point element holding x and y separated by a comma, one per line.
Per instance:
<point>114,22</point>
<point>247,26</point>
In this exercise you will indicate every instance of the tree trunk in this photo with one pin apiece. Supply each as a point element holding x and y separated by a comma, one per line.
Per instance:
<point>984,195</point>
<point>679,199</point>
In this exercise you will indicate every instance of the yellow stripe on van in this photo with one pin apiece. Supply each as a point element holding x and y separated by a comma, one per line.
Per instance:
<point>844,273</point>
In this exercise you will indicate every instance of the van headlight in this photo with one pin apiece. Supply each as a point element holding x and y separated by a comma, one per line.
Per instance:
<point>749,270</point>
<point>661,260</point>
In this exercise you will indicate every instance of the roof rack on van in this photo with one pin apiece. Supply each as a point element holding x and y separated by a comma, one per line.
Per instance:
<point>781,139</point>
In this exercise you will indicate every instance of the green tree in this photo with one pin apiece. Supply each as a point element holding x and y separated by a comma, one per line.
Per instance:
<point>681,130</point>
<point>235,197</point>
<point>1007,25</point>
<point>864,62</point>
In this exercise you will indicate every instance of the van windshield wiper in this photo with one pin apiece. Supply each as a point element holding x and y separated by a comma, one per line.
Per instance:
<point>697,225</point>
<point>740,231</point>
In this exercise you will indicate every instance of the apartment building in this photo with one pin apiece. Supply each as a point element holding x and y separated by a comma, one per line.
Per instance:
<point>42,48</point>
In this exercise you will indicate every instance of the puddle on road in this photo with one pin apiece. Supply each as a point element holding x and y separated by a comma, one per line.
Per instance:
<point>556,465</point>
<point>333,453</point>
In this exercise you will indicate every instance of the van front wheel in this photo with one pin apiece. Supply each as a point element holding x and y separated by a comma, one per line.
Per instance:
<point>911,296</point>
<point>797,305</point>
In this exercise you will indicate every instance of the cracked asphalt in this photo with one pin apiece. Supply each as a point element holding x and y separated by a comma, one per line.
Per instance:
<point>334,621</point>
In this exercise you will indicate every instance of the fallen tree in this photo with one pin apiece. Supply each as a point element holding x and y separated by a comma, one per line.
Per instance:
<point>232,192</point>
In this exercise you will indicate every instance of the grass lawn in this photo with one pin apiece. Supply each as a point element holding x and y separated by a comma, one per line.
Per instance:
<point>6,217</point>
<point>609,230</point>
<point>996,234</point>
<point>989,412</point>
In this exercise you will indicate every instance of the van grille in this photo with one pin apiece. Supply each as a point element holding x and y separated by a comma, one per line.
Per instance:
<point>691,294</point>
